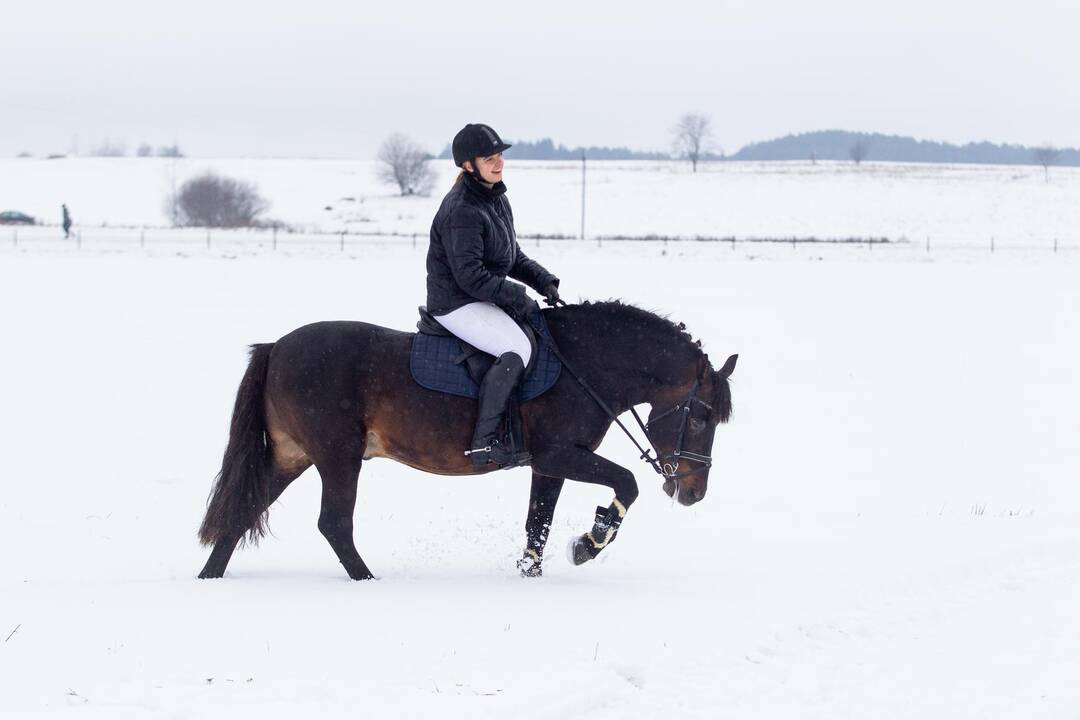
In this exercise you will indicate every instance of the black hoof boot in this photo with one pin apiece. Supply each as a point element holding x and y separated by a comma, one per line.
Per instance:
<point>585,547</point>
<point>529,565</point>
<point>581,550</point>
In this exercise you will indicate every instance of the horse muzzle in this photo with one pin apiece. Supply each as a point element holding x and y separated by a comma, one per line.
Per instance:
<point>686,494</point>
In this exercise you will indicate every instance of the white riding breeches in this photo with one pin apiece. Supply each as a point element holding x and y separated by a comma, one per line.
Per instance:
<point>488,328</point>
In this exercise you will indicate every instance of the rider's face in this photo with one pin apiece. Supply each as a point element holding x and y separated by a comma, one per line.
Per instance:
<point>490,167</point>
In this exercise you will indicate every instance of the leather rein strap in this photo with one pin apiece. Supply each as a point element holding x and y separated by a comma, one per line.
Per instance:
<point>658,463</point>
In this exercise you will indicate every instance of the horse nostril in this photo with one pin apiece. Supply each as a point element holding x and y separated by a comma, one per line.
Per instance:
<point>691,495</point>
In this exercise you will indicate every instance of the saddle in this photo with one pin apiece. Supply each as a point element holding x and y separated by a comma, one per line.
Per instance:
<point>476,361</point>
<point>443,362</point>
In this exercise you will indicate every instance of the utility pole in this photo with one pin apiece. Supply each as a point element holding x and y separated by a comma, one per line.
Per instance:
<point>583,193</point>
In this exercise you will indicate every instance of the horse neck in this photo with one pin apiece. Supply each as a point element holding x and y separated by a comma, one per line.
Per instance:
<point>626,364</point>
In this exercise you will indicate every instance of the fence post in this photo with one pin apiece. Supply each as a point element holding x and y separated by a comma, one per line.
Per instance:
<point>732,243</point>
<point>207,238</point>
<point>1055,244</point>
<point>927,243</point>
<point>582,194</point>
<point>275,239</point>
<point>342,241</point>
<point>991,243</point>
<point>142,238</point>
<point>414,241</point>
<point>78,240</point>
<point>15,237</point>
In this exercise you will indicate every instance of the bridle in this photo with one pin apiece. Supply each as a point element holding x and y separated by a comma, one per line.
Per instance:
<point>669,464</point>
<point>666,466</point>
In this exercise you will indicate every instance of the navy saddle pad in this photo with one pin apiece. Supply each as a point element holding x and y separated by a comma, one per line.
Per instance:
<point>436,364</point>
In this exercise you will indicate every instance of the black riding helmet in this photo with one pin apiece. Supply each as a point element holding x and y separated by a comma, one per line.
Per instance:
<point>476,140</point>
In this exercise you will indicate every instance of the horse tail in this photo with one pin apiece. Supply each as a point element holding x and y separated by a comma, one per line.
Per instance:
<point>240,495</point>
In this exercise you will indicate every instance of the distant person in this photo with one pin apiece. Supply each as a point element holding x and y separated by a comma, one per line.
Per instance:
<point>67,222</point>
<point>472,263</point>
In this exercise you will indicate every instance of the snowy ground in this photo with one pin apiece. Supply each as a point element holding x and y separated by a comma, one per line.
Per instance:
<point>892,528</point>
<point>966,205</point>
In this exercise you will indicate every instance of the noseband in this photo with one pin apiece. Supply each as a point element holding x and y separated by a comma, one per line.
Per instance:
<point>669,464</point>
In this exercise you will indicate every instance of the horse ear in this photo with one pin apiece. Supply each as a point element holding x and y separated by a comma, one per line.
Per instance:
<point>729,367</point>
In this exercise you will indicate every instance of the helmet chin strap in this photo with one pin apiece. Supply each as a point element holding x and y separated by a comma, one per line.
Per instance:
<point>476,173</point>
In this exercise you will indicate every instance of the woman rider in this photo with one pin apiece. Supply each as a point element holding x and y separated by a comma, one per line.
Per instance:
<point>472,262</point>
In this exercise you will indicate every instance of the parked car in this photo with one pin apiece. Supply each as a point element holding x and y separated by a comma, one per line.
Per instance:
<point>10,217</point>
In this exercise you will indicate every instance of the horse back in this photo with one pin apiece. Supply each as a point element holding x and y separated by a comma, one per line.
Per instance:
<point>347,385</point>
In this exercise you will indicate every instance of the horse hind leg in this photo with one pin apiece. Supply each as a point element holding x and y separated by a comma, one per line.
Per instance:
<point>339,482</point>
<point>225,546</point>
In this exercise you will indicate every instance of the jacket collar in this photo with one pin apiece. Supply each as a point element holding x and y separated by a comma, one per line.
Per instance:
<point>483,191</point>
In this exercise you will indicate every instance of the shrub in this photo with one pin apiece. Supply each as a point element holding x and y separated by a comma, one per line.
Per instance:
<point>211,200</point>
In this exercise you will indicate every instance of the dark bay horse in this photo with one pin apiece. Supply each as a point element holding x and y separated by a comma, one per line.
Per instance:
<point>333,394</point>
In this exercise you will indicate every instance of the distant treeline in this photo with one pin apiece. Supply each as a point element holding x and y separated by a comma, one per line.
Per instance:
<point>837,144</point>
<point>820,145</point>
<point>546,149</point>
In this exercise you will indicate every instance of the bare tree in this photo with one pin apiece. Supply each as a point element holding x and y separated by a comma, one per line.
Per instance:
<point>144,150</point>
<point>211,200</point>
<point>859,151</point>
<point>1046,156</point>
<point>170,151</point>
<point>110,148</point>
<point>692,134</point>
<point>172,199</point>
<point>405,164</point>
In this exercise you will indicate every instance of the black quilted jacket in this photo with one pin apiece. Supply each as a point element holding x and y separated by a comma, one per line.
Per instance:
<point>474,252</point>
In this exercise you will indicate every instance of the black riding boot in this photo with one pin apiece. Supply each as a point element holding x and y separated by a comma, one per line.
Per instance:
<point>495,390</point>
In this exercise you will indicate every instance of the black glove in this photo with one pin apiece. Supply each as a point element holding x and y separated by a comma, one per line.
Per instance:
<point>551,294</point>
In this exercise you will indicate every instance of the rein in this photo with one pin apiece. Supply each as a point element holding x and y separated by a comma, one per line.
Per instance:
<point>659,463</point>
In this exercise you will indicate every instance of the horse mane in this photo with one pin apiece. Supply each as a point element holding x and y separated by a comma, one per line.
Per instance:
<point>662,325</point>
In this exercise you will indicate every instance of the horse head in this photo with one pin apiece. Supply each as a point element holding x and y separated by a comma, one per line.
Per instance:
<point>683,432</point>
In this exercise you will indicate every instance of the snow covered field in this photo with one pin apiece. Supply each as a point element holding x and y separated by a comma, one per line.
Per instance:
<point>892,528</point>
<point>952,205</point>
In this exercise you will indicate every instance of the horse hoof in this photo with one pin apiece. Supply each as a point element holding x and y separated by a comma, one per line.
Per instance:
<point>359,573</point>
<point>528,566</point>
<point>580,551</point>
<point>358,577</point>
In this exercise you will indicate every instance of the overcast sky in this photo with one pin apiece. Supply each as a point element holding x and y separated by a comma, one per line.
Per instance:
<point>332,79</point>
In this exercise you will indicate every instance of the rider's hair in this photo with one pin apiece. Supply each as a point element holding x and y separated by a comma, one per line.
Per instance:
<point>460,177</point>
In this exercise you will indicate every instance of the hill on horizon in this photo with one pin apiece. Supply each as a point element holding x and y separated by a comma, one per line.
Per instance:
<point>818,145</point>
<point>837,144</point>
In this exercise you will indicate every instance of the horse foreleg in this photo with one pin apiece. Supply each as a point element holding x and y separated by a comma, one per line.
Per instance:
<point>578,463</point>
<point>339,482</point>
<point>542,501</point>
